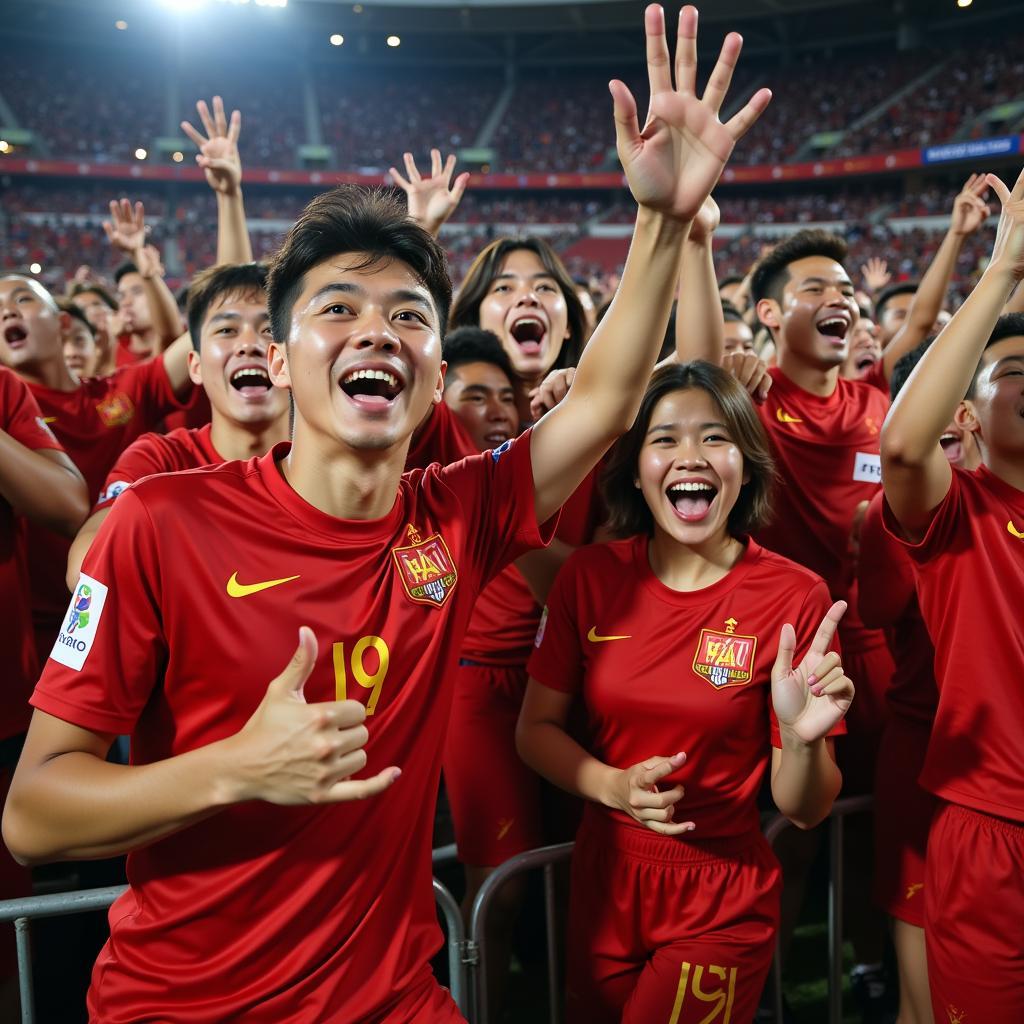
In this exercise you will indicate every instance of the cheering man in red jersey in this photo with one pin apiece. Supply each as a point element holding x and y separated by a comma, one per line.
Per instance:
<point>964,532</point>
<point>268,883</point>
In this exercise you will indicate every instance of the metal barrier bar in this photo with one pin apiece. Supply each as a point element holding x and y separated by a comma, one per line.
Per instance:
<point>456,946</point>
<point>545,857</point>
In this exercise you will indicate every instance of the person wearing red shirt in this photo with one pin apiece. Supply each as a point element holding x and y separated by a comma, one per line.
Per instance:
<point>94,420</point>
<point>321,910</point>
<point>964,533</point>
<point>230,328</point>
<point>39,482</point>
<point>680,641</point>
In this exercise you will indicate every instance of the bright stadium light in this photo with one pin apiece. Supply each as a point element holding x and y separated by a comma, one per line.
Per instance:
<point>5,146</point>
<point>140,154</point>
<point>177,156</point>
<point>35,268</point>
<point>337,39</point>
<point>394,41</point>
<point>121,25</point>
<point>964,3</point>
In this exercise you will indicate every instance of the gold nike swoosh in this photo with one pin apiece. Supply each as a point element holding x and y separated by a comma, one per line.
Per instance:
<point>236,589</point>
<point>595,639</point>
<point>1013,529</point>
<point>784,417</point>
<point>49,419</point>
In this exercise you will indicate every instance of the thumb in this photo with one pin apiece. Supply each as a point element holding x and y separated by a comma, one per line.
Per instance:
<point>999,188</point>
<point>784,659</point>
<point>293,679</point>
<point>627,129</point>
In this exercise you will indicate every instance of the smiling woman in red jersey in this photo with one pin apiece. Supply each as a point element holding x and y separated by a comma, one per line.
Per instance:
<point>680,640</point>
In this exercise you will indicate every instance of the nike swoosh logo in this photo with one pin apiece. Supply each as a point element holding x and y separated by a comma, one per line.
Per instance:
<point>784,417</point>
<point>595,639</point>
<point>504,826</point>
<point>236,589</point>
<point>1013,529</point>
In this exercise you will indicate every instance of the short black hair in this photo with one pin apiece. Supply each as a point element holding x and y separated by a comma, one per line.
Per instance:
<point>214,282</point>
<point>730,279</point>
<point>1010,325</point>
<point>67,306</point>
<point>84,287</point>
<point>771,272</point>
<point>353,219</point>
<point>476,345</point>
<point>905,366</point>
<point>128,267</point>
<point>730,313</point>
<point>886,295</point>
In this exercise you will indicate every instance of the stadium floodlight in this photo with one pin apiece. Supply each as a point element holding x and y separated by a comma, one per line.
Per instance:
<point>5,146</point>
<point>121,25</point>
<point>394,41</point>
<point>140,154</point>
<point>337,39</point>
<point>964,3</point>
<point>35,268</point>
<point>177,156</point>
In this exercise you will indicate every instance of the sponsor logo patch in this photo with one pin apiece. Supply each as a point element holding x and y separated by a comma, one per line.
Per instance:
<point>113,490</point>
<point>724,659</point>
<point>867,468</point>
<point>500,450</point>
<point>539,638</point>
<point>427,570</point>
<point>74,641</point>
<point>116,410</point>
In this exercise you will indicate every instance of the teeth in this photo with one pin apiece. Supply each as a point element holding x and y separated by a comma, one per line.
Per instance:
<point>259,376</point>
<point>529,320</point>
<point>383,375</point>
<point>691,487</point>
<point>838,321</point>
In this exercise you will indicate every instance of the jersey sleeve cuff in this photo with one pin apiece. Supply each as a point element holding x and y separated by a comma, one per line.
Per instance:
<point>84,718</point>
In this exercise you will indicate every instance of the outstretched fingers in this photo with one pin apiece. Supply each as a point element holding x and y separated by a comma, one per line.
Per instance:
<point>686,52</point>
<point>627,129</point>
<point>721,75</point>
<point>826,632</point>
<point>361,789</point>
<point>659,72</point>
<point>410,167</point>
<point>740,123</point>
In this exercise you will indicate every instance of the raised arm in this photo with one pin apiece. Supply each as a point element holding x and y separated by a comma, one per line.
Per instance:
<point>431,200</point>
<point>700,327</point>
<point>970,211</point>
<point>672,165</point>
<point>126,230</point>
<point>915,473</point>
<point>219,159</point>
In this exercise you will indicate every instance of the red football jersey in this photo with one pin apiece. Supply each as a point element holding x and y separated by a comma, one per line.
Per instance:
<point>94,423</point>
<point>20,417</point>
<point>504,622</point>
<point>887,594</point>
<point>158,453</point>
<point>443,440</point>
<point>829,460</point>
<point>661,671</point>
<point>193,594</point>
<point>970,582</point>
<point>876,378</point>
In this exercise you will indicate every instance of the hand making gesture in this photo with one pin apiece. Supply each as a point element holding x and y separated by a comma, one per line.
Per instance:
<point>126,229</point>
<point>431,200</point>
<point>218,150</point>
<point>970,210</point>
<point>674,162</point>
<point>811,699</point>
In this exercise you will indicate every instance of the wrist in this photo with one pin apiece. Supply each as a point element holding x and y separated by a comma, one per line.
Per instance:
<point>229,783</point>
<point>670,227</point>
<point>1005,273</point>
<point>229,195</point>
<point>794,744</point>
<point>607,791</point>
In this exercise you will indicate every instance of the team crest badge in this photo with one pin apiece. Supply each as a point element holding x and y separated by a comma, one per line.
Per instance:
<point>426,569</point>
<point>725,658</point>
<point>116,410</point>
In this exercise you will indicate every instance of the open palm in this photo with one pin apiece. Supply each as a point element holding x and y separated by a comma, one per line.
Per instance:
<point>218,149</point>
<point>431,200</point>
<point>811,699</point>
<point>675,161</point>
<point>126,229</point>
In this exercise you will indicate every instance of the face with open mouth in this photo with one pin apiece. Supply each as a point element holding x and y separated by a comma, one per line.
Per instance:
<point>997,401</point>
<point>526,309</point>
<point>231,364</point>
<point>865,349</point>
<point>817,312</point>
<point>363,359</point>
<point>483,398</point>
<point>30,324</point>
<point>690,471</point>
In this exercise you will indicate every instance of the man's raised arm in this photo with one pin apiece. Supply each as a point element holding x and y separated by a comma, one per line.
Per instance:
<point>915,472</point>
<point>431,200</point>
<point>671,165</point>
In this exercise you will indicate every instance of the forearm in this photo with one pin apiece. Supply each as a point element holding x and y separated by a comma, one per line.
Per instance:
<point>81,544</point>
<point>77,806</point>
<point>539,568</point>
<point>163,309</point>
<point>807,781</point>
<point>550,751</point>
<point>41,489</point>
<point>925,406</point>
<point>1015,303</point>
<point>927,303</point>
<point>233,242</point>
<point>700,327</point>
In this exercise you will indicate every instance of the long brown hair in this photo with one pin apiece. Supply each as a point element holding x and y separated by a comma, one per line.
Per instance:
<point>487,266</point>
<point>628,512</point>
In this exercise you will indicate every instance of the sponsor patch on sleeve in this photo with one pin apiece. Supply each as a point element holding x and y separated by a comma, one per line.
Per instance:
<point>78,630</point>
<point>539,638</point>
<point>500,450</point>
<point>867,468</point>
<point>111,492</point>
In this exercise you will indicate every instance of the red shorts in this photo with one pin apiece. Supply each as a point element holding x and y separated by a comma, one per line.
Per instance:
<point>903,815</point>
<point>668,930</point>
<point>871,669</point>
<point>974,917</point>
<point>493,796</point>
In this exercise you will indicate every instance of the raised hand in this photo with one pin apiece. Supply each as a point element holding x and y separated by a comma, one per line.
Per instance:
<point>675,161</point>
<point>811,699</point>
<point>218,149</point>
<point>635,792</point>
<point>551,390</point>
<point>1008,251</point>
<point>147,261</point>
<point>431,200</point>
<point>751,372</point>
<point>291,752</point>
<point>876,274</point>
<point>706,222</point>
<point>126,229</point>
<point>970,210</point>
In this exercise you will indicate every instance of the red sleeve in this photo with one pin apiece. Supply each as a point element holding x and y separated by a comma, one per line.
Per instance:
<point>497,496</point>
<point>941,530</point>
<point>808,619</point>
<point>111,648</point>
<point>150,390</point>
<point>143,457</point>
<point>876,377</point>
<point>20,415</point>
<point>557,658</point>
<point>885,577</point>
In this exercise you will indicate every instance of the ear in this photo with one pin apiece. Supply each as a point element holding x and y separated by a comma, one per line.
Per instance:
<point>438,395</point>
<point>195,372</point>
<point>769,313</point>
<point>277,365</point>
<point>966,417</point>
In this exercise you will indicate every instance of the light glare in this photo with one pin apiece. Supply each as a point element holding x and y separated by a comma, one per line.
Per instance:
<point>5,146</point>
<point>121,25</point>
<point>337,39</point>
<point>964,3</point>
<point>35,268</point>
<point>140,154</point>
<point>177,156</point>
<point>394,41</point>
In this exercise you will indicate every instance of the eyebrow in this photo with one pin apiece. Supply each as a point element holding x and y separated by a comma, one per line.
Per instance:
<point>264,315</point>
<point>487,387</point>
<point>507,274</point>
<point>1007,359</point>
<point>398,295</point>
<point>841,282</point>
<point>675,426</point>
